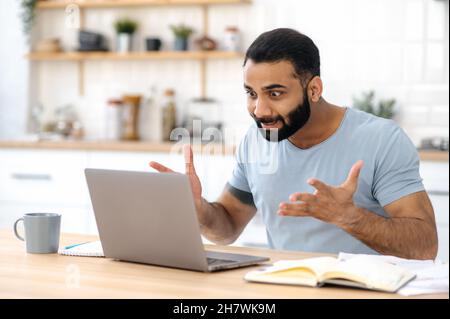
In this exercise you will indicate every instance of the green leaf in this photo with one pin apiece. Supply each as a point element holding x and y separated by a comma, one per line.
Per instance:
<point>384,108</point>
<point>27,15</point>
<point>181,31</point>
<point>125,26</point>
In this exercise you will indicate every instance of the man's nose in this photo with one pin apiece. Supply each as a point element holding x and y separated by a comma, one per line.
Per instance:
<point>262,109</point>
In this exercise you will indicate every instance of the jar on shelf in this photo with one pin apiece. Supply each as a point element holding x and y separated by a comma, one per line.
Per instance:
<point>232,39</point>
<point>131,105</point>
<point>77,132</point>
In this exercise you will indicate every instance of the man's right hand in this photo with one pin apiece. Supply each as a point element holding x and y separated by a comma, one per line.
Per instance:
<point>196,186</point>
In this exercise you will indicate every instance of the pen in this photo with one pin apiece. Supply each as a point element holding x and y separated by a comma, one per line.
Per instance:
<point>71,246</point>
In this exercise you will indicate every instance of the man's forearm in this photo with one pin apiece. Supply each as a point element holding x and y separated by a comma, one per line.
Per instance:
<point>403,237</point>
<point>216,224</point>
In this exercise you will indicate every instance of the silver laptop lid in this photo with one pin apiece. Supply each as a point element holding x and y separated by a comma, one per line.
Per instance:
<point>147,218</point>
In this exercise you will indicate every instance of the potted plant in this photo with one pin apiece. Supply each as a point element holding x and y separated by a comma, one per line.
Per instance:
<point>125,29</point>
<point>182,34</point>
<point>27,15</point>
<point>384,108</point>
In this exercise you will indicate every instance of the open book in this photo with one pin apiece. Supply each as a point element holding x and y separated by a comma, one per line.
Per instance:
<point>361,271</point>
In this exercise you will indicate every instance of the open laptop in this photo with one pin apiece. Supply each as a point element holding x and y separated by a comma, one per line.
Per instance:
<point>150,218</point>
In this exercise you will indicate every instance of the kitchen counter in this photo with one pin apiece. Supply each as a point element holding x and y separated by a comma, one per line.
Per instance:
<point>124,146</point>
<point>433,156</point>
<point>163,147</point>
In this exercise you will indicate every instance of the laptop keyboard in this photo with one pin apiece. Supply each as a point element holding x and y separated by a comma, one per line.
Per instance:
<point>216,261</point>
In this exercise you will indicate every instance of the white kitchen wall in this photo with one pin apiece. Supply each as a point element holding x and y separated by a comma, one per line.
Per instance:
<point>13,72</point>
<point>397,47</point>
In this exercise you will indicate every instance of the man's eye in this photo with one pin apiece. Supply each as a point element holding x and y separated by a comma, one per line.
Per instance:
<point>275,94</point>
<point>251,93</point>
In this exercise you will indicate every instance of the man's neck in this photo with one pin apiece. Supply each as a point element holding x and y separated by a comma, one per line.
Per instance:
<point>324,120</point>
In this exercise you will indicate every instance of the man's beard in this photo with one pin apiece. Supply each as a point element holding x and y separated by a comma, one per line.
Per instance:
<point>296,119</point>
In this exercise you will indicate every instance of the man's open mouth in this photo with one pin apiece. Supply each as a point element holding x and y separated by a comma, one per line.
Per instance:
<point>269,124</point>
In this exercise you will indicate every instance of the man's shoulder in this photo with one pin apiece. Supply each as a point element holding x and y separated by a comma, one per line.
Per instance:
<point>378,136</point>
<point>364,124</point>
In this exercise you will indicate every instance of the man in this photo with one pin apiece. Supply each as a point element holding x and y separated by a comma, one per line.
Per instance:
<point>340,179</point>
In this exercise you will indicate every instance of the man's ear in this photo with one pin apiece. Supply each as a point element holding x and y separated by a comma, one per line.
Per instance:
<point>315,89</point>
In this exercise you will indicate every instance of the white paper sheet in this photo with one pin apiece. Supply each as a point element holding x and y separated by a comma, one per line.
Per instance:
<point>431,276</point>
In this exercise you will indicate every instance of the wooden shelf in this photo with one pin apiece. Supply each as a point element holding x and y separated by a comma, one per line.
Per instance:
<point>166,55</point>
<point>58,4</point>
<point>80,57</point>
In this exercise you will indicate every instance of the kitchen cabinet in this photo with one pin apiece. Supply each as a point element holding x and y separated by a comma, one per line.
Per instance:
<point>436,181</point>
<point>134,161</point>
<point>42,176</point>
<point>74,218</point>
<point>44,181</point>
<point>435,176</point>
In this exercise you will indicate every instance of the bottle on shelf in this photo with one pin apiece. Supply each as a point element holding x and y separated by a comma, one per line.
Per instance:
<point>113,127</point>
<point>168,114</point>
<point>150,118</point>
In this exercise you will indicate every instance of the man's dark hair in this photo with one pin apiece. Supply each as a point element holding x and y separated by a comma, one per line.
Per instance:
<point>286,44</point>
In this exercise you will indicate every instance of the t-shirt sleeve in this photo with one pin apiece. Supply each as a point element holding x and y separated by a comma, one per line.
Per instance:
<point>238,178</point>
<point>396,171</point>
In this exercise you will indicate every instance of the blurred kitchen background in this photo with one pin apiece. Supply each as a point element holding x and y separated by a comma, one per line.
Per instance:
<point>102,83</point>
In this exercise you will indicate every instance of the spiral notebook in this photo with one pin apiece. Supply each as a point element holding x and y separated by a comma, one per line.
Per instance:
<point>89,249</point>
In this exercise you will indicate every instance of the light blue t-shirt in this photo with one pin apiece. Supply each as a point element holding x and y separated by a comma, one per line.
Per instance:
<point>272,171</point>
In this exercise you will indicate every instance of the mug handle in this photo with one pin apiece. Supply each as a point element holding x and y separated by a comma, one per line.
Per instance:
<point>15,229</point>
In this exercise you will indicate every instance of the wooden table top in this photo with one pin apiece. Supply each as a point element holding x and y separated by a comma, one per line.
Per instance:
<point>25,275</point>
